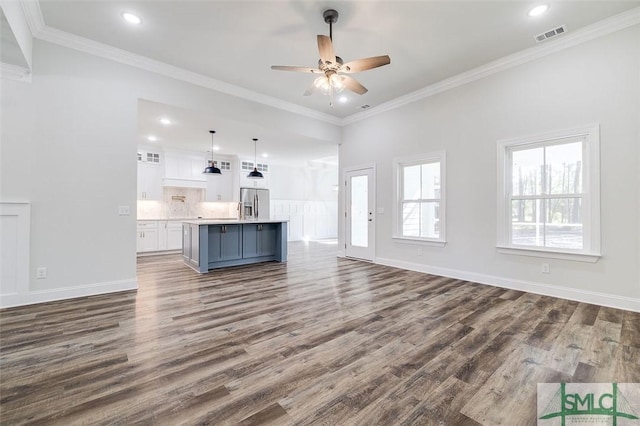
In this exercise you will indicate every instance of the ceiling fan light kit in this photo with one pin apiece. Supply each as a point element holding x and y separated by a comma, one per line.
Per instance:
<point>211,169</point>
<point>334,81</point>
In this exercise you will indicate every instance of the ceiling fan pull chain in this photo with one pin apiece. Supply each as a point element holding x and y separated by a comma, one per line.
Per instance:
<point>331,96</point>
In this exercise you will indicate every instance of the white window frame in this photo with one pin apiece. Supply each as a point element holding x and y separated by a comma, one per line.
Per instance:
<point>590,135</point>
<point>398,165</point>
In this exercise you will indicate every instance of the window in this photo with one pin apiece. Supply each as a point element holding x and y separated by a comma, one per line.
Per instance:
<point>549,200</point>
<point>419,195</point>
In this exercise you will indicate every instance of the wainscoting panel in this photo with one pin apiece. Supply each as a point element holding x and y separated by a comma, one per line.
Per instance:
<point>14,250</point>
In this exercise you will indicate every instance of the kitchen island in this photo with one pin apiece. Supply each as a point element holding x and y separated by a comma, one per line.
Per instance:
<point>212,244</point>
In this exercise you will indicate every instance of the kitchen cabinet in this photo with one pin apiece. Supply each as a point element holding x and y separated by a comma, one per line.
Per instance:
<point>158,235</point>
<point>231,244</point>
<point>246,167</point>
<point>169,235</point>
<point>191,244</point>
<point>145,156</point>
<point>225,242</point>
<point>147,236</point>
<point>183,170</point>
<point>259,239</point>
<point>220,187</point>
<point>186,242</point>
<point>149,181</point>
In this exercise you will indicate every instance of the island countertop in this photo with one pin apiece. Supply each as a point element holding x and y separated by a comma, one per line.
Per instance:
<point>230,221</point>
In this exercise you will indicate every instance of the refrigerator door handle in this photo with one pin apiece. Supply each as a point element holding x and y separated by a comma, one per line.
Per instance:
<point>256,202</point>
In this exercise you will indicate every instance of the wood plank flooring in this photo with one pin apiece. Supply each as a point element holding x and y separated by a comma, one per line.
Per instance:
<point>318,340</point>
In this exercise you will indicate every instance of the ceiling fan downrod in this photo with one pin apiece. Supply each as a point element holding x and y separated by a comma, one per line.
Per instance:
<point>330,17</point>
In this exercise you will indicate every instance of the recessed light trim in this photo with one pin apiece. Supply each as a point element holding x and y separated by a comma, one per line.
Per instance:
<point>131,18</point>
<point>538,10</point>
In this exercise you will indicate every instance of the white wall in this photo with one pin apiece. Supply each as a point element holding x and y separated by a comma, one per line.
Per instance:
<point>307,198</point>
<point>68,147</point>
<point>595,82</point>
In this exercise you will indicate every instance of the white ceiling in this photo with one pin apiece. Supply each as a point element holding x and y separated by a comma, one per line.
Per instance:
<point>189,130</point>
<point>237,41</point>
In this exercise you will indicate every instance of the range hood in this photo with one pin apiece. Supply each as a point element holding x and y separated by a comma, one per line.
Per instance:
<point>183,171</point>
<point>184,183</point>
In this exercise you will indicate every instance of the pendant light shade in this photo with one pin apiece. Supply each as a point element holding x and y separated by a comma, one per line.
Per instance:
<point>255,174</point>
<point>211,169</point>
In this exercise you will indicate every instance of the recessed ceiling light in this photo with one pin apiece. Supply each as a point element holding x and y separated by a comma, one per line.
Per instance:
<point>539,10</point>
<point>152,138</point>
<point>265,155</point>
<point>343,99</point>
<point>165,121</point>
<point>216,148</point>
<point>131,18</point>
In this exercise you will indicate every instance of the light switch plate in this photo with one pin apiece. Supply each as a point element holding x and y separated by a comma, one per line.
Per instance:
<point>124,210</point>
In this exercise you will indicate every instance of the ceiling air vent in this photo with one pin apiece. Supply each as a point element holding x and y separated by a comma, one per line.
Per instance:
<point>551,33</point>
<point>365,106</point>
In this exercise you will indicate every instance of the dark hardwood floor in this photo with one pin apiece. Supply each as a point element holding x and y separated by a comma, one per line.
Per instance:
<point>317,340</point>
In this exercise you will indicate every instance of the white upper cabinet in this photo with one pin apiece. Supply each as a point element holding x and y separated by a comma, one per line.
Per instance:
<point>221,187</point>
<point>184,170</point>
<point>149,175</point>
<point>246,166</point>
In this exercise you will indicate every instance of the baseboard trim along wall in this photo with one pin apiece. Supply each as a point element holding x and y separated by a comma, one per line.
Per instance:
<point>42,296</point>
<point>602,299</point>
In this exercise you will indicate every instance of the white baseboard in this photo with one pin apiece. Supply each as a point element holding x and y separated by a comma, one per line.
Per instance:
<point>41,296</point>
<point>595,298</point>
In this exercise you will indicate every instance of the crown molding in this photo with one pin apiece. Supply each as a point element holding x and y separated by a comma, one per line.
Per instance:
<point>15,72</point>
<point>593,31</point>
<point>33,15</point>
<point>82,44</point>
<point>41,31</point>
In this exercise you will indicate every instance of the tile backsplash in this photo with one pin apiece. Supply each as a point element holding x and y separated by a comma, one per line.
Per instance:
<point>184,203</point>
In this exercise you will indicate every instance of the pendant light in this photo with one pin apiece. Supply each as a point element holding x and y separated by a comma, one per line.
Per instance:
<point>211,168</point>
<point>255,174</point>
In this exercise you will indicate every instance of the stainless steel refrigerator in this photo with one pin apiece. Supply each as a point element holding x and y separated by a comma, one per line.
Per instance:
<point>254,204</point>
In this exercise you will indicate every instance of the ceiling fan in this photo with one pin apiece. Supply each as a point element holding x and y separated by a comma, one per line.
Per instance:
<point>333,68</point>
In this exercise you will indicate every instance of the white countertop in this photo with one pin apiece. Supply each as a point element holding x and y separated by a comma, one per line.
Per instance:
<point>229,221</point>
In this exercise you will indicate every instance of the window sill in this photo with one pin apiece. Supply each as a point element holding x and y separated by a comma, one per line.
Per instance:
<point>550,254</point>
<point>420,241</point>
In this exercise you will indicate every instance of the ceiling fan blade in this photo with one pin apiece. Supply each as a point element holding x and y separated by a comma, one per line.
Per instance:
<point>325,48</point>
<point>365,64</point>
<point>353,85</point>
<point>296,69</point>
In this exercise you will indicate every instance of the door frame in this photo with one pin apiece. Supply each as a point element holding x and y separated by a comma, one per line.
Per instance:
<point>372,239</point>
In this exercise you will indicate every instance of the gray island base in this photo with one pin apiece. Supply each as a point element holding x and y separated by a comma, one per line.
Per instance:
<point>212,244</point>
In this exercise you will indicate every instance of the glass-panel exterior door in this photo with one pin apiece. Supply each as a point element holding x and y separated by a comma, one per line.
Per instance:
<point>360,223</point>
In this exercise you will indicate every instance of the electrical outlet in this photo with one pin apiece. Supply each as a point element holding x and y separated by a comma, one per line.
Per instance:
<point>41,273</point>
<point>545,268</point>
<point>124,210</point>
